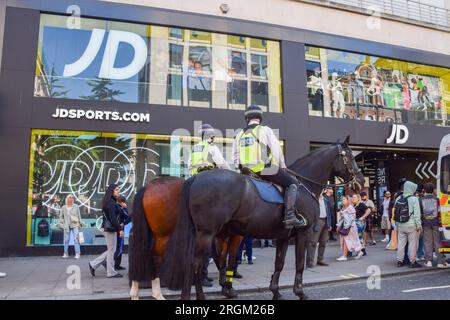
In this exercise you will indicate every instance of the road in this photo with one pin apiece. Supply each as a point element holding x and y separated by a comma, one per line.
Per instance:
<point>419,286</point>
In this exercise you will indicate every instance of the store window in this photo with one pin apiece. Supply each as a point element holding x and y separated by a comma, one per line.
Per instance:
<point>117,61</point>
<point>83,164</point>
<point>357,86</point>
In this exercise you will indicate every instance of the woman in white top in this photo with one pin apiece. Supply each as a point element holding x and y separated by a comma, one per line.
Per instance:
<point>70,221</point>
<point>346,219</point>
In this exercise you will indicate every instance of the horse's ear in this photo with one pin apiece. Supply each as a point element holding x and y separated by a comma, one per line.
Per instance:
<point>347,140</point>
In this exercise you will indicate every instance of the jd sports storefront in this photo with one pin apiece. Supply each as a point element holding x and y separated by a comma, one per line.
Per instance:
<point>104,99</point>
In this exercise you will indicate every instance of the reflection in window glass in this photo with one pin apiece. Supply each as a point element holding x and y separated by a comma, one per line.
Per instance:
<point>83,164</point>
<point>157,65</point>
<point>357,86</point>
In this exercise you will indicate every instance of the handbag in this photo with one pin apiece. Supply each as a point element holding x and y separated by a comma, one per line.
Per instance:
<point>343,231</point>
<point>80,237</point>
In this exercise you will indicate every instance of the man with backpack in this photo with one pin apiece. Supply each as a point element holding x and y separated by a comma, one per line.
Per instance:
<point>429,205</point>
<point>408,221</point>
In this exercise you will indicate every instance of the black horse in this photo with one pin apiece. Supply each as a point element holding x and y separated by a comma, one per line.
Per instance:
<point>223,200</point>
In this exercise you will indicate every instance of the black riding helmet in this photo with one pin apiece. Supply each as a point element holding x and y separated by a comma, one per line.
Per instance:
<point>253,112</point>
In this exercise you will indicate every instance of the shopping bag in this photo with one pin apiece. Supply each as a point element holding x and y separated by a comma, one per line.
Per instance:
<point>81,237</point>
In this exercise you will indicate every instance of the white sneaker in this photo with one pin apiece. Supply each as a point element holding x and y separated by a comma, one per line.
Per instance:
<point>359,255</point>
<point>77,256</point>
<point>65,256</point>
<point>385,240</point>
<point>428,264</point>
<point>2,275</point>
<point>443,266</point>
<point>342,258</point>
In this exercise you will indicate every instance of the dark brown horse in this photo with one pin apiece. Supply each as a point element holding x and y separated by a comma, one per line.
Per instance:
<point>227,201</point>
<point>154,215</point>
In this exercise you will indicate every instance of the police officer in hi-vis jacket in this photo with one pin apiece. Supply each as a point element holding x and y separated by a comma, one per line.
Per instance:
<point>257,148</point>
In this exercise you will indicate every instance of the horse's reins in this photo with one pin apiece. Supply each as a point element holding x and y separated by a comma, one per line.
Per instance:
<point>345,159</point>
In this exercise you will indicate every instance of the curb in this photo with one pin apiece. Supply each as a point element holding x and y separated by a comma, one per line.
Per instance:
<point>214,292</point>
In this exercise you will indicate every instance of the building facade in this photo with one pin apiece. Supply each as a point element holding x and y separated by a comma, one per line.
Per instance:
<point>115,92</point>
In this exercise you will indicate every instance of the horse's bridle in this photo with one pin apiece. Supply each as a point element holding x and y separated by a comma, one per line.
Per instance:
<point>348,165</point>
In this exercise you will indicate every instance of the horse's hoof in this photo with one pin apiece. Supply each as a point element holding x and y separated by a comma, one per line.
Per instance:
<point>303,296</point>
<point>159,297</point>
<point>134,298</point>
<point>229,293</point>
<point>277,296</point>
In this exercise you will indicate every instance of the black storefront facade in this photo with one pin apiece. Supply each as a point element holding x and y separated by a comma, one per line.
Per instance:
<point>25,116</point>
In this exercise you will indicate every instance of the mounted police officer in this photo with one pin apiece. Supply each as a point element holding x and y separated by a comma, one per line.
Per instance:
<point>258,149</point>
<point>205,154</point>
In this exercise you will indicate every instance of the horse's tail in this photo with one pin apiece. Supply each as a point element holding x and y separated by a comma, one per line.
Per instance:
<point>179,258</point>
<point>140,268</point>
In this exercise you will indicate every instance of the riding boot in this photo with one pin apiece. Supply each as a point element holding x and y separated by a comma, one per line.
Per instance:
<point>290,218</point>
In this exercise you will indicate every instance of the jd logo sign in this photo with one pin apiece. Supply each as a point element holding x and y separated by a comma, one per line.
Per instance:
<point>399,134</point>
<point>107,69</point>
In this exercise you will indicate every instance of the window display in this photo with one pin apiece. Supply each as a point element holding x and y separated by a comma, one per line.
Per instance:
<point>83,164</point>
<point>117,61</point>
<point>357,86</point>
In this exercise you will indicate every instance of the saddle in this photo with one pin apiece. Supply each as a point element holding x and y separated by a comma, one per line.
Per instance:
<point>267,191</point>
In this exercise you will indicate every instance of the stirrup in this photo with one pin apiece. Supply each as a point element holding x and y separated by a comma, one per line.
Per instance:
<point>295,221</point>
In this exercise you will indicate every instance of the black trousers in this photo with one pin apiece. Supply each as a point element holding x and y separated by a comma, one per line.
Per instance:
<point>281,178</point>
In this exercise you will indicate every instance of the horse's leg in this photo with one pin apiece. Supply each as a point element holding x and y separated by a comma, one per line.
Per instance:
<point>282,246</point>
<point>222,249</point>
<point>301,240</point>
<point>234,243</point>
<point>202,246</point>
<point>134,292</point>
<point>157,257</point>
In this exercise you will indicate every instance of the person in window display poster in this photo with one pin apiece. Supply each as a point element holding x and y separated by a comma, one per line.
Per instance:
<point>337,96</point>
<point>316,85</point>
<point>375,90</point>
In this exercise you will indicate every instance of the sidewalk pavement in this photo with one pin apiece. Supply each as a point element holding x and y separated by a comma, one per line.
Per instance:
<point>47,277</point>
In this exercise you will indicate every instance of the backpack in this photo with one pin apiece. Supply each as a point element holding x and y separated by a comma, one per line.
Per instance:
<point>43,228</point>
<point>401,210</point>
<point>430,208</point>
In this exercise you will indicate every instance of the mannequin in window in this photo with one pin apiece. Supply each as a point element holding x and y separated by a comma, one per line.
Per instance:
<point>357,88</point>
<point>337,96</point>
<point>316,85</point>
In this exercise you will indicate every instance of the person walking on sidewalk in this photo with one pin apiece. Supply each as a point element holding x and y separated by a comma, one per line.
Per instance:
<point>124,219</point>
<point>368,232</point>
<point>111,226</point>
<point>385,210</point>
<point>429,205</point>
<point>70,221</point>
<point>408,221</point>
<point>319,233</point>
<point>347,228</point>
<point>362,213</point>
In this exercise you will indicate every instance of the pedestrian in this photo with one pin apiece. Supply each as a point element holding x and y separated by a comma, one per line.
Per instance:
<point>429,205</point>
<point>408,220</point>
<point>319,233</point>
<point>247,242</point>
<point>124,219</point>
<point>362,213</point>
<point>386,208</point>
<point>347,228</point>
<point>368,232</point>
<point>420,247</point>
<point>70,221</point>
<point>111,212</point>
<point>329,194</point>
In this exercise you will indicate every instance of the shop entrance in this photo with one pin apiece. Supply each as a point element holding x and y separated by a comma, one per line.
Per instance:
<point>385,168</point>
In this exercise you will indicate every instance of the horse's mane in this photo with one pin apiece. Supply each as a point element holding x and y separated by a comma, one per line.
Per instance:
<point>299,162</point>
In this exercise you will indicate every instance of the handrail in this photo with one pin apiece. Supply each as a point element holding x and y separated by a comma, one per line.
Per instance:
<point>408,9</point>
